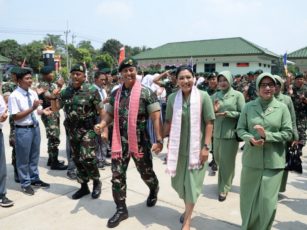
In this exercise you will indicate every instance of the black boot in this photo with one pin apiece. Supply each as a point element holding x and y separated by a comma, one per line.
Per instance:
<point>152,198</point>
<point>120,215</point>
<point>50,161</point>
<point>84,190</point>
<point>96,189</point>
<point>57,165</point>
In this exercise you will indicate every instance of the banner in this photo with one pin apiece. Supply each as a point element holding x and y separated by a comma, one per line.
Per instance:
<point>121,54</point>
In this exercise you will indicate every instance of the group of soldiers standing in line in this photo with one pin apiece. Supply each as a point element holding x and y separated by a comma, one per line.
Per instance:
<point>99,114</point>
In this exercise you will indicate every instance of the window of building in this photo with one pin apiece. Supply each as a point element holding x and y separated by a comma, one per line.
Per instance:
<point>209,68</point>
<point>259,64</point>
<point>225,64</point>
<point>264,65</point>
<point>243,64</point>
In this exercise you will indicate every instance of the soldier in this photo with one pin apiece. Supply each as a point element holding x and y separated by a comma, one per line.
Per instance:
<point>250,93</point>
<point>131,106</point>
<point>298,95</point>
<point>52,122</point>
<point>81,103</point>
<point>167,80</point>
<point>7,89</point>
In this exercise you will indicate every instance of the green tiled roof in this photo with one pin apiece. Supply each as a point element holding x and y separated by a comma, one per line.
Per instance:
<point>301,53</point>
<point>212,47</point>
<point>4,59</point>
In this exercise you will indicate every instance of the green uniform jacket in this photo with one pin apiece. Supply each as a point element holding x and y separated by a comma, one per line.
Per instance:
<point>288,102</point>
<point>232,103</point>
<point>277,123</point>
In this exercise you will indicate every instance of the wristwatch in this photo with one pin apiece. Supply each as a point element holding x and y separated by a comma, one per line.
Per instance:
<point>159,141</point>
<point>207,147</point>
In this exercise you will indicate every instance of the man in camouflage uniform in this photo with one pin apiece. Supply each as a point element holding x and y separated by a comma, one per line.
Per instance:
<point>298,95</point>
<point>168,81</point>
<point>81,103</point>
<point>148,107</point>
<point>7,89</point>
<point>51,122</point>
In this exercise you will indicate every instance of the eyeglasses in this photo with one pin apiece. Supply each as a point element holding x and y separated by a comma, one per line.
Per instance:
<point>264,85</point>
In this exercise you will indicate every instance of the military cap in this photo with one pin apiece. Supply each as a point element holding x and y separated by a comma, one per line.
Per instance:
<point>237,76</point>
<point>46,70</point>
<point>21,72</point>
<point>259,71</point>
<point>78,67</point>
<point>114,72</point>
<point>15,70</point>
<point>127,62</point>
<point>212,75</point>
<point>105,70</point>
<point>250,73</point>
<point>299,75</point>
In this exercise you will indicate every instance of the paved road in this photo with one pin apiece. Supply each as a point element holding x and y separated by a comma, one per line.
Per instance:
<point>54,209</point>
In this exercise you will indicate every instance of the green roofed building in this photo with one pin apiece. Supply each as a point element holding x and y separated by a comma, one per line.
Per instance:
<point>234,54</point>
<point>300,59</point>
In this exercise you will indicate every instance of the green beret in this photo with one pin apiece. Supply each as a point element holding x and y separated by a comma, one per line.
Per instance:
<point>237,75</point>
<point>127,62</point>
<point>299,75</point>
<point>114,72</point>
<point>105,70</point>
<point>21,72</point>
<point>259,71</point>
<point>79,67</point>
<point>46,70</point>
<point>263,75</point>
<point>250,73</point>
<point>15,70</point>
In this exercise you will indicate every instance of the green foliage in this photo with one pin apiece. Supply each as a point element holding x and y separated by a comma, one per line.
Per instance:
<point>11,49</point>
<point>112,46</point>
<point>106,58</point>
<point>32,52</point>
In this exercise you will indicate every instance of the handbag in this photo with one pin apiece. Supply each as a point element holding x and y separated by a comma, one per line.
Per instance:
<point>293,160</point>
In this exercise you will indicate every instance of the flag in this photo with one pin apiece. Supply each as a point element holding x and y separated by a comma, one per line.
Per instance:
<point>121,54</point>
<point>285,62</point>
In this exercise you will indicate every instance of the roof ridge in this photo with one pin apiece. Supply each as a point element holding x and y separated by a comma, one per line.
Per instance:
<point>212,39</point>
<point>298,50</point>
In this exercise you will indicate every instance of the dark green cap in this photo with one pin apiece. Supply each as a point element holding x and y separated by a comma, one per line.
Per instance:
<point>105,70</point>
<point>46,70</point>
<point>15,70</point>
<point>259,71</point>
<point>250,73</point>
<point>299,75</point>
<point>114,72</point>
<point>79,67</point>
<point>21,72</point>
<point>127,62</point>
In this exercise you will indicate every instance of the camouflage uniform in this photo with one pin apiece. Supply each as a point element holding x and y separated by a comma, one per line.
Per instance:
<point>7,89</point>
<point>169,87</point>
<point>203,86</point>
<point>301,110</point>
<point>148,103</point>
<point>252,91</point>
<point>80,106</point>
<point>52,122</point>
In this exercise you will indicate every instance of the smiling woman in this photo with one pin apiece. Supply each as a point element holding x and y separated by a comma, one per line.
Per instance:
<point>265,125</point>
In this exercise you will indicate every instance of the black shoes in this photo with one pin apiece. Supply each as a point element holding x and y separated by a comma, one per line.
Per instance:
<point>152,198</point>
<point>84,190</point>
<point>120,215</point>
<point>96,189</point>
<point>222,196</point>
<point>28,190</point>
<point>50,161</point>
<point>5,202</point>
<point>213,165</point>
<point>40,184</point>
<point>16,177</point>
<point>57,165</point>
<point>181,219</point>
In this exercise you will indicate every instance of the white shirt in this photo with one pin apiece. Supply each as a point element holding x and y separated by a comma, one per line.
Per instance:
<point>18,102</point>
<point>102,92</point>
<point>2,109</point>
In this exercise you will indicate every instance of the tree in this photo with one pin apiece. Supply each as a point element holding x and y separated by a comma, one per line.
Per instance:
<point>106,58</point>
<point>32,52</point>
<point>112,46</point>
<point>86,45</point>
<point>11,49</point>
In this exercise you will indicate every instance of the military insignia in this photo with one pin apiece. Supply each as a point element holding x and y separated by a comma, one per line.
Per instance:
<point>81,68</point>
<point>130,62</point>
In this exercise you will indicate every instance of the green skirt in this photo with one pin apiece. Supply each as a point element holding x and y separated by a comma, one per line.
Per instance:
<point>188,183</point>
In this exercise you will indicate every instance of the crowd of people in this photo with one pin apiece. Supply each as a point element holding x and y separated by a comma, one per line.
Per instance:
<point>125,113</point>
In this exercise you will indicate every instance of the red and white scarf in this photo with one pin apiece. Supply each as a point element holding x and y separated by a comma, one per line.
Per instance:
<point>134,103</point>
<point>195,135</point>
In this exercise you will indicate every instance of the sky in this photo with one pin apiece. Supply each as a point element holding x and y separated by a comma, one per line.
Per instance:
<point>279,26</point>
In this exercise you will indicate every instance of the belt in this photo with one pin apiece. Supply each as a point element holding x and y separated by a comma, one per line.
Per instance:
<point>26,126</point>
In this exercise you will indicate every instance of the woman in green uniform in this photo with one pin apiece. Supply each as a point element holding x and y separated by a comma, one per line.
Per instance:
<point>288,102</point>
<point>264,125</point>
<point>228,104</point>
<point>189,123</point>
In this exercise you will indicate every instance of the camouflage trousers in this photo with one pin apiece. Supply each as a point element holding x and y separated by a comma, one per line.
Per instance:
<point>301,129</point>
<point>83,145</point>
<point>52,126</point>
<point>119,168</point>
